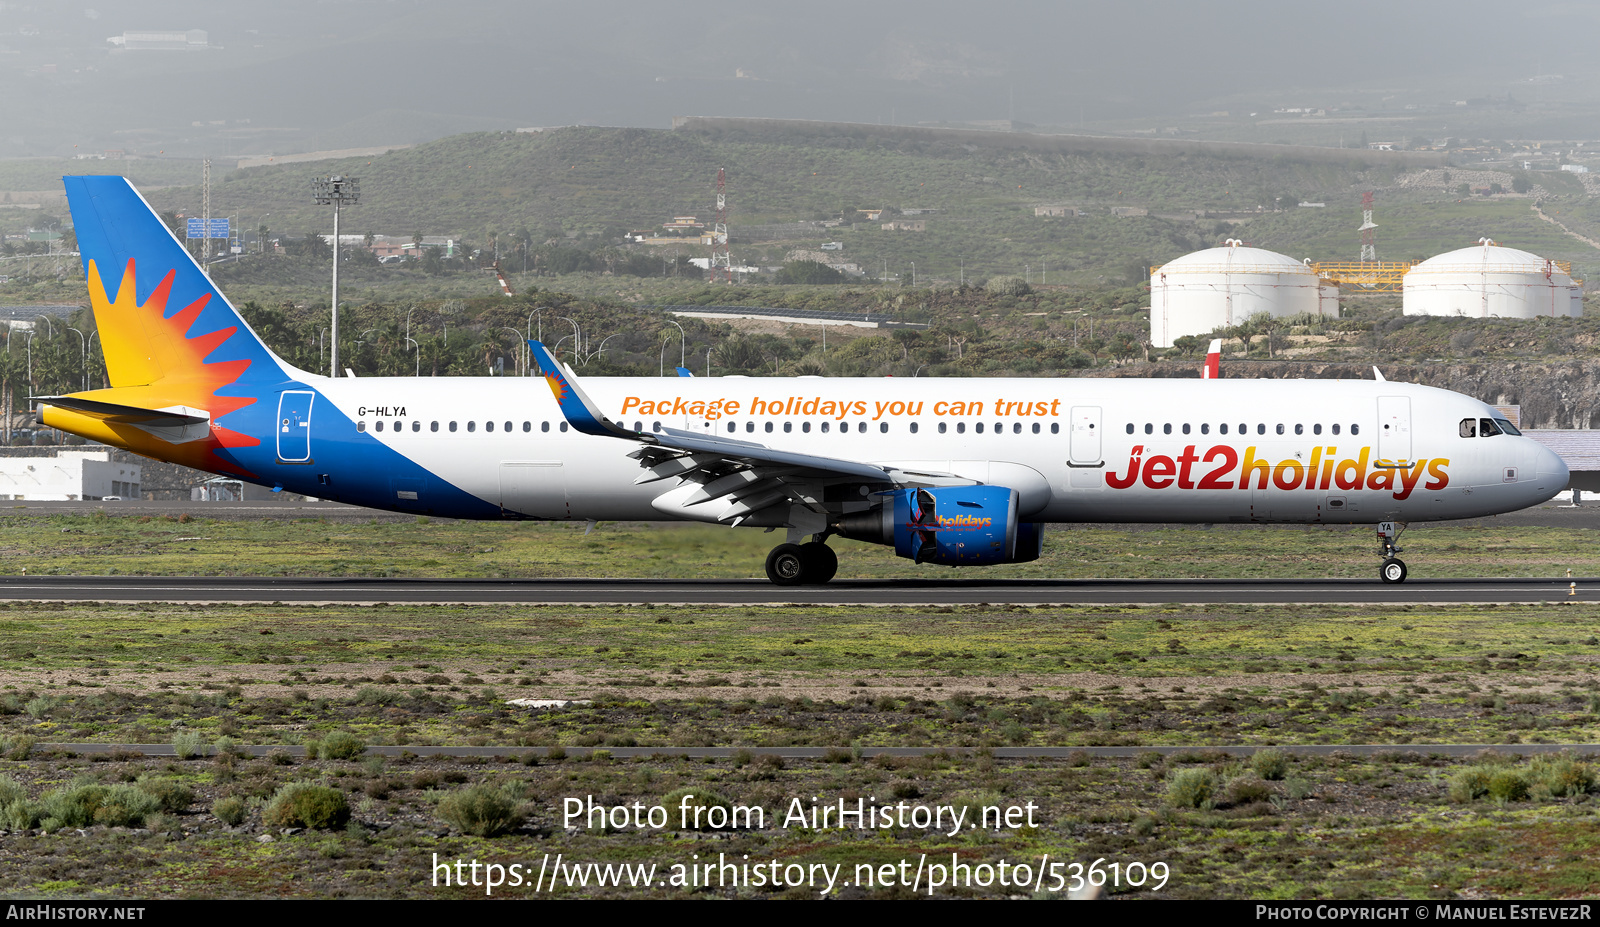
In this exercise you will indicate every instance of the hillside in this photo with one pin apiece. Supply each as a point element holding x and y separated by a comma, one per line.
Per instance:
<point>569,183</point>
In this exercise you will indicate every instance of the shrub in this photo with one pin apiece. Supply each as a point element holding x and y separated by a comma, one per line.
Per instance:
<point>1469,784</point>
<point>1508,785</point>
<point>1245,790</point>
<point>87,803</point>
<point>11,790</point>
<point>1008,286</point>
<point>1192,788</point>
<point>19,747</point>
<point>188,745</point>
<point>483,810</point>
<point>342,745</point>
<point>1561,777</point>
<point>303,804</point>
<point>229,811</point>
<point>21,814</point>
<point>171,795</point>
<point>1271,765</point>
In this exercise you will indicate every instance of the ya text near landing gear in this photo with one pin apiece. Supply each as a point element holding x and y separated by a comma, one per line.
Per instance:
<point>1393,569</point>
<point>813,563</point>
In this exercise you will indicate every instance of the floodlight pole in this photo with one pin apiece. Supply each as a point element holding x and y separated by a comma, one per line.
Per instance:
<point>336,191</point>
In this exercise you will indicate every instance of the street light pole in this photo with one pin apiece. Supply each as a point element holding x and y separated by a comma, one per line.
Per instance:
<point>336,191</point>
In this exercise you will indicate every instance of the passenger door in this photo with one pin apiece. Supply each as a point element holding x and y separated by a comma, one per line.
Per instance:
<point>294,426</point>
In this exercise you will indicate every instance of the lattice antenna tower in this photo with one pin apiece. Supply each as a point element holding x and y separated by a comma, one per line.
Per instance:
<point>719,232</point>
<point>205,216</point>
<point>1369,241</point>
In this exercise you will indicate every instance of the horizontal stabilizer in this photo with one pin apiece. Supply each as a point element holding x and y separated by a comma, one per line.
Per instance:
<point>112,412</point>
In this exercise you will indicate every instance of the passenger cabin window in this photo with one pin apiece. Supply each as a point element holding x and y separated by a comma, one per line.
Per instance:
<point>473,426</point>
<point>1355,429</point>
<point>1185,427</point>
<point>487,426</point>
<point>942,427</point>
<point>1205,428</point>
<point>978,428</point>
<point>1316,429</point>
<point>824,427</point>
<point>1130,428</point>
<point>913,427</point>
<point>1149,429</point>
<point>1055,428</point>
<point>452,426</point>
<point>433,426</point>
<point>377,426</point>
<point>1166,429</point>
<point>883,427</point>
<point>360,426</point>
<point>508,427</point>
<point>563,427</point>
<point>1223,428</point>
<point>528,426</point>
<point>788,427</point>
<point>961,428</point>
<point>1336,429</point>
<point>1035,427</point>
<point>769,428</point>
<point>543,426</point>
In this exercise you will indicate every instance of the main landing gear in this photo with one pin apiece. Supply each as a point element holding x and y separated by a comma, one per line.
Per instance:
<point>809,564</point>
<point>1393,569</point>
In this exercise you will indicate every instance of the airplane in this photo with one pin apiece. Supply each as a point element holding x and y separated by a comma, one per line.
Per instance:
<point>956,472</point>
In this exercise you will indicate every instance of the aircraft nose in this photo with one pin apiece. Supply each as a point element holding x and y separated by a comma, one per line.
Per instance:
<point>1552,470</point>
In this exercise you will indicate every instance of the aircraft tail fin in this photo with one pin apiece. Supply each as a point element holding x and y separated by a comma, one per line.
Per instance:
<point>161,319</point>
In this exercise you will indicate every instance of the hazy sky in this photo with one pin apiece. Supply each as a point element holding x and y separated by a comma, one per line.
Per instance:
<point>327,73</point>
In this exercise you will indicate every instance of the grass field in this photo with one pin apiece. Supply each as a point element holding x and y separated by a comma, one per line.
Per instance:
<point>109,544</point>
<point>1401,824</point>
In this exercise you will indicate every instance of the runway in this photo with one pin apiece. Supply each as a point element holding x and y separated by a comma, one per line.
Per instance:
<point>208,589</point>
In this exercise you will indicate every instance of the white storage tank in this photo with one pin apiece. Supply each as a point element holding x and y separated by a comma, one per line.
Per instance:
<point>1488,280</point>
<point>1203,291</point>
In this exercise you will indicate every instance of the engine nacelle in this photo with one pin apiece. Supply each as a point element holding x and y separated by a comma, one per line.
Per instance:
<point>954,525</point>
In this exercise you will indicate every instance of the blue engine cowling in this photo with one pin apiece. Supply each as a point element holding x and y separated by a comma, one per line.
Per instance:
<point>963,526</point>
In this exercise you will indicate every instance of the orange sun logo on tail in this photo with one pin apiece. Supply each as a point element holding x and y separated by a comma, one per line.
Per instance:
<point>154,362</point>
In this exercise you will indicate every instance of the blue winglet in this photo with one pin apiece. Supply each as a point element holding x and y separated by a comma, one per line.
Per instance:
<point>581,412</point>
<point>684,372</point>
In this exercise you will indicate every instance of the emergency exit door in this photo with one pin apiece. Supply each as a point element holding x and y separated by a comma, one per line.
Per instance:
<point>1086,436</point>
<point>1394,429</point>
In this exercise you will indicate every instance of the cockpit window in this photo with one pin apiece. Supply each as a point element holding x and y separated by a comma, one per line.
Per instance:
<point>1486,428</point>
<point>1507,427</point>
<point>1469,428</point>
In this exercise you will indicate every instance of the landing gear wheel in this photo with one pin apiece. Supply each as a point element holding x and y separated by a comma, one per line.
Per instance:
<point>821,562</point>
<point>1393,570</point>
<point>787,565</point>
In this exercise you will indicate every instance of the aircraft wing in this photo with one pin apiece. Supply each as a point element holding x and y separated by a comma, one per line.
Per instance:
<point>750,474</point>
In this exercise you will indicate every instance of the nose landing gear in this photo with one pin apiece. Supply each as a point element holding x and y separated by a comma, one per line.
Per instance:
<point>809,564</point>
<point>1393,569</point>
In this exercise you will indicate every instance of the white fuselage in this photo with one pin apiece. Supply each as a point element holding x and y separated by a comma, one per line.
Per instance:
<point>1076,450</point>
